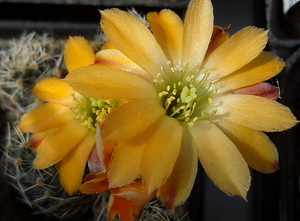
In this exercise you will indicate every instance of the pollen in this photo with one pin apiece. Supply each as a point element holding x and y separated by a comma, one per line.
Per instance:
<point>91,110</point>
<point>185,93</point>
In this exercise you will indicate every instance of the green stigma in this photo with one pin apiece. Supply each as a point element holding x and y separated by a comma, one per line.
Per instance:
<point>185,93</point>
<point>91,110</point>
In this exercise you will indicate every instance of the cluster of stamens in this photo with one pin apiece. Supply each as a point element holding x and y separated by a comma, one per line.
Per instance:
<point>185,93</point>
<point>91,110</point>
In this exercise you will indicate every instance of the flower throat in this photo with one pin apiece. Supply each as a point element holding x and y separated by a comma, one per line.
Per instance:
<point>91,110</point>
<point>185,93</point>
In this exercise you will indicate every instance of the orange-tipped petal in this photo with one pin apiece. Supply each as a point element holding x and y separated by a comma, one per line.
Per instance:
<point>134,39</point>
<point>96,185</point>
<point>116,59</point>
<point>236,51</point>
<point>161,152</point>
<point>220,159</point>
<point>218,37</point>
<point>256,148</point>
<point>255,112</point>
<point>198,28</point>
<point>168,30</point>
<point>179,185</point>
<point>71,168</point>
<point>262,89</point>
<point>122,207</point>
<point>130,119</point>
<point>77,53</point>
<point>37,138</point>
<point>263,67</point>
<point>59,143</point>
<point>115,84</point>
<point>54,90</point>
<point>129,201</point>
<point>45,116</point>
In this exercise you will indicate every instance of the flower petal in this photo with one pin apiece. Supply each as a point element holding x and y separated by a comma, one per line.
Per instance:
<point>116,59</point>
<point>220,159</point>
<point>130,119</point>
<point>263,67</point>
<point>136,193</point>
<point>71,168</point>
<point>122,207</point>
<point>161,152</point>
<point>236,51</point>
<point>95,165</point>
<point>218,37</point>
<point>168,31</point>
<point>124,165</point>
<point>256,148</point>
<point>255,112</point>
<point>59,143</point>
<point>77,53</point>
<point>45,116</point>
<point>109,83</point>
<point>179,184</point>
<point>198,28</point>
<point>262,89</point>
<point>97,185</point>
<point>53,90</point>
<point>134,39</point>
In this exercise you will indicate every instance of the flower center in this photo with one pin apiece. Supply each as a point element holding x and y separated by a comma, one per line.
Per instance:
<point>185,93</point>
<point>91,110</point>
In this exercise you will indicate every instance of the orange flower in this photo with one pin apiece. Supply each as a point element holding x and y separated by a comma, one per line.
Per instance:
<point>185,86</point>
<point>64,126</point>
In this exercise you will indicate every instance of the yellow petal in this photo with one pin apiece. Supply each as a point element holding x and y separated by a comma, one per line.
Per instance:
<point>71,168</point>
<point>236,51</point>
<point>78,53</point>
<point>256,148</point>
<point>263,67</point>
<point>109,83</point>
<point>134,39</point>
<point>168,30</point>
<point>179,185</point>
<point>255,112</point>
<point>45,116</point>
<point>59,143</point>
<point>54,90</point>
<point>161,152</point>
<point>130,119</point>
<point>37,138</point>
<point>198,28</point>
<point>125,162</point>
<point>116,59</point>
<point>220,159</point>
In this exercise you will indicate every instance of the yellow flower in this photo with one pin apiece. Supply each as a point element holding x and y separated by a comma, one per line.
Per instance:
<point>183,101</point>
<point>64,126</point>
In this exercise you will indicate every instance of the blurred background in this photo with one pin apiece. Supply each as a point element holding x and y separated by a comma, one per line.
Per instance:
<point>271,197</point>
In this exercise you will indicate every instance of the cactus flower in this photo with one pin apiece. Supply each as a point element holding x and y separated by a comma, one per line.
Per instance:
<point>191,92</point>
<point>63,126</point>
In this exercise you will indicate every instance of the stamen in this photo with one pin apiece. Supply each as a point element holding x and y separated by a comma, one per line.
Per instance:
<point>185,93</point>
<point>91,110</point>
